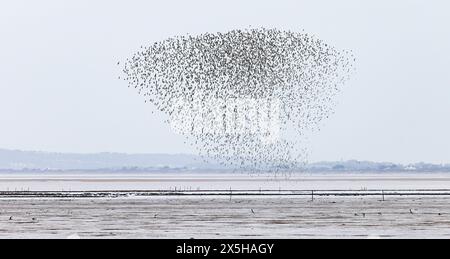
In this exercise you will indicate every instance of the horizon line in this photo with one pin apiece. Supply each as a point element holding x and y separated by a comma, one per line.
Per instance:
<point>199,156</point>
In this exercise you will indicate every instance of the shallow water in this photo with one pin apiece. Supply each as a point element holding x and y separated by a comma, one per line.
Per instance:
<point>65,181</point>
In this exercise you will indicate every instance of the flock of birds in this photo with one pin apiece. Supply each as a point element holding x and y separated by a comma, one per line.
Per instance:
<point>274,85</point>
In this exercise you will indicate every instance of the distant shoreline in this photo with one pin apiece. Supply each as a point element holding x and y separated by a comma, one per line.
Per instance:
<point>32,161</point>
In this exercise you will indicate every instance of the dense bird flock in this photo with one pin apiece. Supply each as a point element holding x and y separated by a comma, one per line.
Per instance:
<point>245,98</point>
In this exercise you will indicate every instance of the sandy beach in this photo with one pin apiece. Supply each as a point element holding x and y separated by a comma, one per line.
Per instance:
<point>77,205</point>
<point>226,217</point>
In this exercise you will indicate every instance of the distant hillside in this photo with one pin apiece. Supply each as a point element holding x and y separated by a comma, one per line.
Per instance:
<point>15,160</point>
<point>20,160</point>
<point>367,166</point>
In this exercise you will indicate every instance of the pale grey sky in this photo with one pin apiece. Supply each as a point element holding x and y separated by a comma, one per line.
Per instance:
<point>59,89</point>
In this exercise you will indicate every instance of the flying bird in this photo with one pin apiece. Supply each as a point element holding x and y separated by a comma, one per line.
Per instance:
<point>233,95</point>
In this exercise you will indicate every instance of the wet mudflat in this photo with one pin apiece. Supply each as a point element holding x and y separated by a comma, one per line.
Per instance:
<point>226,217</point>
